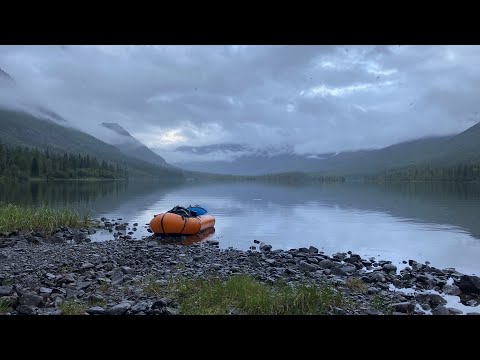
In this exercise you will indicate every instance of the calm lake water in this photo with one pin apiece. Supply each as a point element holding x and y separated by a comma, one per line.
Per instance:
<point>431,222</point>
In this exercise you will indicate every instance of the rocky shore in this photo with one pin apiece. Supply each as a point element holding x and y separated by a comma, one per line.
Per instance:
<point>60,273</point>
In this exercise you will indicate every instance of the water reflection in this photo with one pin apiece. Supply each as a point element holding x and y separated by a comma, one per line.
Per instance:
<point>437,222</point>
<point>186,240</point>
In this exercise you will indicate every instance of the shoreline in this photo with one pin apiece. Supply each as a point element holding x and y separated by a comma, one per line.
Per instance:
<point>41,274</point>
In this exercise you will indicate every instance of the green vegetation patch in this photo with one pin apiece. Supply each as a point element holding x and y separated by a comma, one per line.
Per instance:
<point>71,307</point>
<point>44,219</point>
<point>247,296</point>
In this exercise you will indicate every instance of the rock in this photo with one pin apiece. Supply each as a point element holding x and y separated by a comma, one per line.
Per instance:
<point>325,264</point>
<point>338,271</point>
<point>256,241</point>
<point>306,266</point>
<point>440,310</point>
<point>404,307</point>
<point>135,224</point>
<point>378,277</point>
<point>73,294</point>
<point>160,303</point>
<point>349,269</point>
<point>141,306</point>
<point>265,247</point>
<point>127,270</point>
<point>117,276</point>
<point>339,311</point>
<point>472,302</point>
<point>171,311</point>
<point>31,299</point>
<point>374,312</point>
<point>97,310</point>
<point>389,267</point>
<point>6,290</point>
<point>350,260</point>
<point>118,309</point>
<point>86,266</point>
<point>433,300</point>
<point>426,307</point>
<point>313,250</point>
<point>289,271</point>
<point>96,298</point>
<point>212,242</point>
<point>451,290</point>
<point>69,277</point>
<point>339,256</point>
<point>469,284</point>
<point>50,276</point>
<point>271,262</point>
<point>82,285</point>
<point>24,310</point>
<point>454,311</point>
<point>199,258</point>
<point>44,290</point>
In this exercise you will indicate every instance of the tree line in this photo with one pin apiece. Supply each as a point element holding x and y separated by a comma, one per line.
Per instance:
<point>24,163</point>
<point>462,172</point>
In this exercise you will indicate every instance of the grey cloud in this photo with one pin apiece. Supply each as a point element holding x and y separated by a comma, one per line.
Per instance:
<point>310,98</point>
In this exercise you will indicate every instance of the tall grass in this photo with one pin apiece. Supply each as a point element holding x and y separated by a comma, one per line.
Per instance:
<point>244,295</point>
<point>44,219</point>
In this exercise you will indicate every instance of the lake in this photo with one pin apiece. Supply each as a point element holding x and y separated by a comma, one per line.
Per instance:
<point>435,222</point>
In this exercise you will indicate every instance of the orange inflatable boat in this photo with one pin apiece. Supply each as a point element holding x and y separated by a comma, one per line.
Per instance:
<point>182,221</point>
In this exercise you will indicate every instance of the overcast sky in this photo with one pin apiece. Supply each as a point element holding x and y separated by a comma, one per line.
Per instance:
<point>310,98</point>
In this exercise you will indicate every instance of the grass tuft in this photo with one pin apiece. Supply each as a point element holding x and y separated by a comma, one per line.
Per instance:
<point>97,302</point>
<point>43,218</point>
<point>379,303</point>
<point>357,285</point>
<point>4,306</point>
<point>71,307</point>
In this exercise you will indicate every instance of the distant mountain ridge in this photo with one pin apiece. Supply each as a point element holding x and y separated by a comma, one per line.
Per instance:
<point>440,151</point>
<point>130,146</point>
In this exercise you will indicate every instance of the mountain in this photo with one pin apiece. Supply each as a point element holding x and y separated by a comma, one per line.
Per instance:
<point>26,122</point>
<point>15,98</point>
<point>24,129</point>
<point>49,114</point>
<point>462,147</point>
<point>5,77</point>
<point>441,151</point>
<point>130,146</point>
